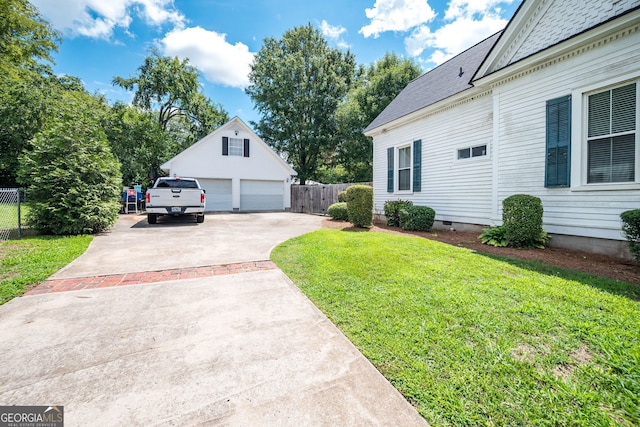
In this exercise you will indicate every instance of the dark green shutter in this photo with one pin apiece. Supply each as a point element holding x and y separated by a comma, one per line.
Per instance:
<point>558,139</point>
<point>246,148</point>
<point>225,145</point>
<point>417,165</point>
<point>390,170</point>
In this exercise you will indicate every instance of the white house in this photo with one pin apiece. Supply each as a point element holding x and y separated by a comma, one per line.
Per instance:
<point>548,107</point>
<point>238,170</point>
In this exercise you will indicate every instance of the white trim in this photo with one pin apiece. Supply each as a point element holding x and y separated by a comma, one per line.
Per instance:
<point>579,132</point>
<point>396,171</point>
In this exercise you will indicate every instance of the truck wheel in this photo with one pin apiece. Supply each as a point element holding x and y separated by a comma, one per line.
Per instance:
<point>152,218</point>
<point>199,219</point>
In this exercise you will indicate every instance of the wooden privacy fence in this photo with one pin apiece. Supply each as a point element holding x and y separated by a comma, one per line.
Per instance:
<point>316,199</point>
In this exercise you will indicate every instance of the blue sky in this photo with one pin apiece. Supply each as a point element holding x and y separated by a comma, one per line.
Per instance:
<point>104,39</point>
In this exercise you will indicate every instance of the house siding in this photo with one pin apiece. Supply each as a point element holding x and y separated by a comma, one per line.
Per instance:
<point>554,21</point>
<point>520,127</point>
<point>458,190</point>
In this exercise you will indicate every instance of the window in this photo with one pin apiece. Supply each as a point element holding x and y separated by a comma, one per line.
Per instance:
<point>404,169</point>
<point>407,172</point>
<point>469,152</point>
<point>611,135</point>
<point>558,142</point>
<point>235,147</point>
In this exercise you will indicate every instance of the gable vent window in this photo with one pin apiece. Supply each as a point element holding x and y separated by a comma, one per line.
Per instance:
<point>611,135</point>
<point>469,152</point>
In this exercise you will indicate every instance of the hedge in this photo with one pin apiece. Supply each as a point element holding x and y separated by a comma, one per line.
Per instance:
<point>419,218</point>
<point>360,205</point>
<point>338,211</point>
<point>392,211</point>
<point>631,230</point>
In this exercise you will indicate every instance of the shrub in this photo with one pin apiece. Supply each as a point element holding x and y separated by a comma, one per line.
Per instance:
<point>342,197</point>
<point>74,180</point>
<point>418,218</point>
<point>631,230</point>
<point>392,211</point>
<point>522,220</point>
<point>494,236</point>
<point>338,211</point>
<point>360,205</point>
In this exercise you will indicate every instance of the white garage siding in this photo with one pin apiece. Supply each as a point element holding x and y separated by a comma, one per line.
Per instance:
<point>261,195</point>
<point>218,196</point>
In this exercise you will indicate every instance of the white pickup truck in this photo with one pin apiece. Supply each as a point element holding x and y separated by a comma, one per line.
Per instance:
<point>175,196</point>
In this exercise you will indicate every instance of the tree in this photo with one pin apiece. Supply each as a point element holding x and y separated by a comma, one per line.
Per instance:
<point>296,85</point>
<point>138,143</point>
<point>372,91</point>
<point>170,87</point>
<point>26,38</point>
<point>26,42</point>
<point>74,181</point>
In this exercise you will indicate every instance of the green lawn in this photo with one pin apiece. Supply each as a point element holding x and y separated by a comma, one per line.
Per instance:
<point>32,260</point>
<point>471,339</point>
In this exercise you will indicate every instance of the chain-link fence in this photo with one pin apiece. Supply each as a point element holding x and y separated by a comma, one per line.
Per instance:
<point>10,223</point>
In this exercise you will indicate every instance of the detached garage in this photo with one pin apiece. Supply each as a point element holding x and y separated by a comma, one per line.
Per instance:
<point>237,169</point>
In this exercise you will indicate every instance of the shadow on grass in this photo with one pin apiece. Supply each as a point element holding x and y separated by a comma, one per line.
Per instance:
<point>615,287</point>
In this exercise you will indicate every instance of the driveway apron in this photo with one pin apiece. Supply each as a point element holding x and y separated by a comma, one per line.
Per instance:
<point>243,348</point>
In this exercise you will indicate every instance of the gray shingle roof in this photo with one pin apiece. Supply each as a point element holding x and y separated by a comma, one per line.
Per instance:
<point>440,83</point>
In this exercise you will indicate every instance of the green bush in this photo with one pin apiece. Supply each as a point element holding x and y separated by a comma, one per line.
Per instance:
<point>418,218</point>
<point>631,230</point>
<point>338,211</point>
<point>494,236</point>
<point>360,205</point>
<point>72,176</point>
<point>392,211</point>
<point>522,220</point>
<point>342,197</point>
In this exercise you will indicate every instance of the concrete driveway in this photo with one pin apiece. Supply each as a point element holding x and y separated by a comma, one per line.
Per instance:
<point>241,349</point>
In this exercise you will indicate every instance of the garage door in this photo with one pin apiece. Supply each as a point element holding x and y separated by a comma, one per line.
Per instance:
<point>261,195</point>
<point>218,194</point>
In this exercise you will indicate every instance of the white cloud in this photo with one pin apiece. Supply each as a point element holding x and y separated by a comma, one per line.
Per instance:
<point>331,31</point>
<point>220,61</point>
<point>452,38</point>
<point>471,8</point>
<point>98,18</point>
<point>334,32</point>
<point>396,15</point>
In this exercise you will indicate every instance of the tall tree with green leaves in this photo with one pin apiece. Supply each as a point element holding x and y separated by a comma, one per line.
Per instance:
<point>73,179</point>
<point>171,89</point>
<point>138,143</point>
<point>297,83</point>
<point>26,39</point>
<point>26,44</point>
<point>374,89</point>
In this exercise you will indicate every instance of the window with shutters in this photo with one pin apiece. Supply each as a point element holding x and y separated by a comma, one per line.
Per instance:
<point>612,135</point>
<point>236,146</point>
<point>404,167</point>
<point>558,142</point>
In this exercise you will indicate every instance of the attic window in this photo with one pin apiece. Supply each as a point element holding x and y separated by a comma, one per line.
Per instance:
<point>235,147</point>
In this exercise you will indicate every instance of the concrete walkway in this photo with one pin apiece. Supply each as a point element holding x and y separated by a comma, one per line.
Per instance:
<point>232,348</point>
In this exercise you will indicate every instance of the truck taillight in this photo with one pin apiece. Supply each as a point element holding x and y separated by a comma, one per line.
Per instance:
<point>148,197</point>
<point>201,197</point>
